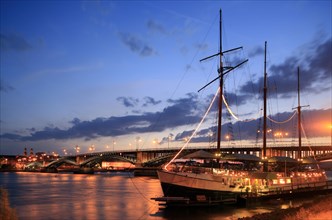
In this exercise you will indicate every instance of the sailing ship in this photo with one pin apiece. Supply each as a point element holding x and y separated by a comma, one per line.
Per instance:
<point>228,181</point>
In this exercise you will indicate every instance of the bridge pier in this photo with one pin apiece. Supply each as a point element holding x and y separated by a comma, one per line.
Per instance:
<point>142,157</point>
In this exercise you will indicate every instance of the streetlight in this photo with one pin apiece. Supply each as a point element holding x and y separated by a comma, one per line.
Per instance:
<point>92,148</point>
<point>138,139</point>
<point>114,143</point>
<point>155,141</point>
<point>227,138</point>
<point>210,134</point>
<point>170,136</point>
<point>77,148</point>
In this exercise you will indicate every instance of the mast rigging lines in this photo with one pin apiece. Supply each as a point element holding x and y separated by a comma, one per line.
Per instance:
<point>249,120</point>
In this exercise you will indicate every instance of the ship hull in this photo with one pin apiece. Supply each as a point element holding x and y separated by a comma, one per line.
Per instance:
<point>196,187</point>
<point>206,187</point>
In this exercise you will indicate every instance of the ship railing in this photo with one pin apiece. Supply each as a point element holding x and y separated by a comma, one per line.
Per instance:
<point>190,169</point>
<point>215,171</point>
<point>209,170</point>
<point>297,187</point>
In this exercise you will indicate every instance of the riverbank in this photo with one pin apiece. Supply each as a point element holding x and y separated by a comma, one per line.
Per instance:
<point>318,209</point>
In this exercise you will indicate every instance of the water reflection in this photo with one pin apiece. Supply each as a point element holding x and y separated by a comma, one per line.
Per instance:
<point>106,196</point>
<point>68,196</point>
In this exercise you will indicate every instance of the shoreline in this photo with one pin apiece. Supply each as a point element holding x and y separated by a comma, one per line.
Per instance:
<point>319,209</point>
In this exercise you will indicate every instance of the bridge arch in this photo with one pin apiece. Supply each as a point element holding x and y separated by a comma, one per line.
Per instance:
<point>59,162</point>
<point>91,162</point>
<point>158,161</point>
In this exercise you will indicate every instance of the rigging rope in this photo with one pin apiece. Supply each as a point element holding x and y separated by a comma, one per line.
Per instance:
<point>282,122</point>
<point>249,120</point>
<point>305,136</point>
<point>228,108</point>
<point>194,133</point>
<point>231,112</point>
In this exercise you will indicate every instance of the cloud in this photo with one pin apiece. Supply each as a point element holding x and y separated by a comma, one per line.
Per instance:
<point>146,51</point>
<point>4,87</point>
<point>11,136</point>
<point>167,139</point>
<point>236,100</point>
<point>183,135</point>
<point>181,111</point>
<point>128,101</point>
<point>150,101</point>
<point>155,27</point>
<point>316,124</point>
<point>315,66</point>
<point>256,51</point>
<point>75,121</point>
<point>14,42</point>
<point>136,45</point>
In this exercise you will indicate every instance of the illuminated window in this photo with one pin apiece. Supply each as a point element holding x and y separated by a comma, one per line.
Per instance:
<point>282,181</point>
<point>288,180</point>
<point>275,181</point>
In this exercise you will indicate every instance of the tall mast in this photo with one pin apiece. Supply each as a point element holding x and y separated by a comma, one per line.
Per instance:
<point>221,74</point>
<point>264,108</point>
<point>221,71</point>
<point>299,112</point>
<point>299,124</point>
<point>264,111</point>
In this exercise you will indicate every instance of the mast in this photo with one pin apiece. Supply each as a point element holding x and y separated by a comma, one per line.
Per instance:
<point>299,123</point>
<point>221,74</point>
<point>221,82</point>
<point>264,108</point>
<point>299,113</point>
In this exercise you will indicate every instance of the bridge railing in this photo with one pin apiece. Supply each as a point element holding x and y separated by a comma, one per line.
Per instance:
<point>237,146</point>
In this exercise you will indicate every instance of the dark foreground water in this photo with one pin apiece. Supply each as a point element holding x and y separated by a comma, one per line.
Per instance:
<point>40,196</point>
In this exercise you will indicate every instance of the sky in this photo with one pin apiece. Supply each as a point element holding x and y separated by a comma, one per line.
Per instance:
<point>126,74</point>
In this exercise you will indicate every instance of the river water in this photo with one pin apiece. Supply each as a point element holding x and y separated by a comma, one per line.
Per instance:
<point>40,196</point>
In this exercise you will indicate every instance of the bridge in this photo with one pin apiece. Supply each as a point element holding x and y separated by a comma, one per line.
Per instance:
<point>155,157</point>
